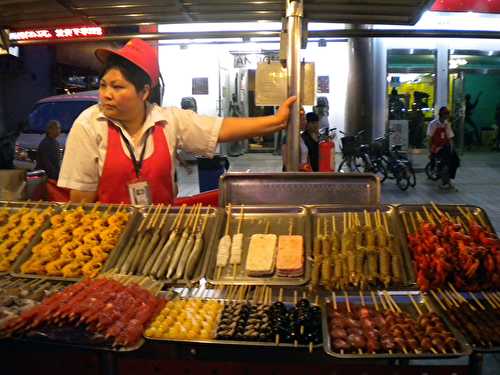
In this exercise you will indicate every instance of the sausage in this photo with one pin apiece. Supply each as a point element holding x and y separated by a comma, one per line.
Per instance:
<point>164,255</point>
<point>194,257</point>
<point>176,256</point>
<point>186,252</point>
<point>340,344</point>
<point>148,251</point>
<point>338,333</point>
<point>356,341</point>
<point>156,253</point>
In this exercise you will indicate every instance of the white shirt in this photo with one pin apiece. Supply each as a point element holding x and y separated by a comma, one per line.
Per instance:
<point>87,142</point>
<point>434,124</point>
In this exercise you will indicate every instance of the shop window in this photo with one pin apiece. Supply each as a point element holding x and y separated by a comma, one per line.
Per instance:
<point>473,98</point>
<point>411,87</point>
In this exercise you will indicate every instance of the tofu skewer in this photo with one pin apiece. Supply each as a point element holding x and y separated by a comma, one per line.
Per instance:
<point>224,247</point>
<point>237,244</point>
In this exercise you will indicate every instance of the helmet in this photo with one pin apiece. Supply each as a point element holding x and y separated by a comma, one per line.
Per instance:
<point>139,53</point>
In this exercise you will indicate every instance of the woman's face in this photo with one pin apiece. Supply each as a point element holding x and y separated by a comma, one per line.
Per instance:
<point>118,98</point>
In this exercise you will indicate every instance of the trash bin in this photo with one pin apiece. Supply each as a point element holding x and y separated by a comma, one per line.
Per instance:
<point>209,171</point>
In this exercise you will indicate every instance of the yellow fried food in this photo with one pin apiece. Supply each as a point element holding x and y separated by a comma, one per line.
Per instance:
<point>91,269</point>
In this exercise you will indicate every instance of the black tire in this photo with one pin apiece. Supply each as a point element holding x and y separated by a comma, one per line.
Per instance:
<point>389,170</point>
<point>413,178</point>
<point>432,172</point>
<point>403,183</point>
<point>348,166</point>
<point>380,170</point>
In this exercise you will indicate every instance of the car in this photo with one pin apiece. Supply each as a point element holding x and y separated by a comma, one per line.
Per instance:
<point>63,108</point>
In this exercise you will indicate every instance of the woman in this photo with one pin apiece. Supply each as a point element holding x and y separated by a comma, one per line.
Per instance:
<point>122,149</point>
<point>311,139</point>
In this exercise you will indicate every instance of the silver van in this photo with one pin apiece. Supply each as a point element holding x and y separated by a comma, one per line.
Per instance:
<point>63,108</point>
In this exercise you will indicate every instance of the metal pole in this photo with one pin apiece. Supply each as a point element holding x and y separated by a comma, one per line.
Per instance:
<point>294,14</point>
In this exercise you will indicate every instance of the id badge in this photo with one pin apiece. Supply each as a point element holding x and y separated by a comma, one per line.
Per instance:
<point>139,192</point>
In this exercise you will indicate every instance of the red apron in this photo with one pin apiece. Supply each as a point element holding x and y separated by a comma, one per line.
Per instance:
<point>438,139</point>
<point>118,170</point>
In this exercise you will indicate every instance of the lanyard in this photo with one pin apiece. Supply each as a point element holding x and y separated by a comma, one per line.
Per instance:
<point>137,163</point>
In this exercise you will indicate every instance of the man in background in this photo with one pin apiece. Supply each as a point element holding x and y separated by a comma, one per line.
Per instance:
<point>469,108</point>
<point>49,151</point>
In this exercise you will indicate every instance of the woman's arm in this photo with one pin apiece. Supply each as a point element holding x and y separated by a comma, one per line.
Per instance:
<point>234,128</point>
<point>79,196</point>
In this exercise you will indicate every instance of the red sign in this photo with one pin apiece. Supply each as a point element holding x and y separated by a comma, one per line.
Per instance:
<point>59,33</point>
<point>480,6</point>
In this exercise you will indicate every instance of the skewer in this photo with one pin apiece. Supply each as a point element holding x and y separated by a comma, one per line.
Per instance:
<point>374,299</point>
<point>438,301</point>
<point>460,297</point>
<point>348,305</point>
<point>477,301</point>
<point>405,223</point>
<point>240,222</point>
<point>362,298</point>
<point>490,301</point>
<point>280,299</point>
<point>226,233</point>
<point>334,300</point>
<point>413,222</point>
<point>415,304</point>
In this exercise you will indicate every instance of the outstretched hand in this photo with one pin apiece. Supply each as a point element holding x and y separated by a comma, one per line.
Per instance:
<point>284,110</point>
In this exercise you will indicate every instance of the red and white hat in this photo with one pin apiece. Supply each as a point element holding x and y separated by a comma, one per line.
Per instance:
<point>137,52</point>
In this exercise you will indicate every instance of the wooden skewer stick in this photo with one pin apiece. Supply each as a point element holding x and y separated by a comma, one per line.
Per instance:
<point>374,299</point>
<point>438,301</point>
<point>405,223</point>
<point>382,302</point>
<point>238,231</point>
<point>460,297</point>
<point>477,301</point>
<point>413,222</point>
<point>436,208</point>
<point>495,298</point>
<point>415,304</point>
<point>334,300</point>
<point>428,215</point>
<point>490,301</point>
<point>348,305</point>
<point>362,298</point>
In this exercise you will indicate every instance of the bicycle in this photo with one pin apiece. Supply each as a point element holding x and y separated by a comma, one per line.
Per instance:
<point>397,165</point>
<point>351,160</point>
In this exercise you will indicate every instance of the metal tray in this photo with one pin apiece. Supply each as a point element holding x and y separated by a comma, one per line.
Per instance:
<point>258,344</point>
<point>16,206</point>
<point>254,221</point>
<point>209,241</point>
<point>294,188</point>
<point>405,304</point>
<point>124,237</point>
<point>452,209</point>
<point>337,211</point>
<point>39,337</point>
<point>484,302</point>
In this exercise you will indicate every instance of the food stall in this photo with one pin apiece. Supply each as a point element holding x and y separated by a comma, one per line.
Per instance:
<point>291,273</point>
<point>319,286</point>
